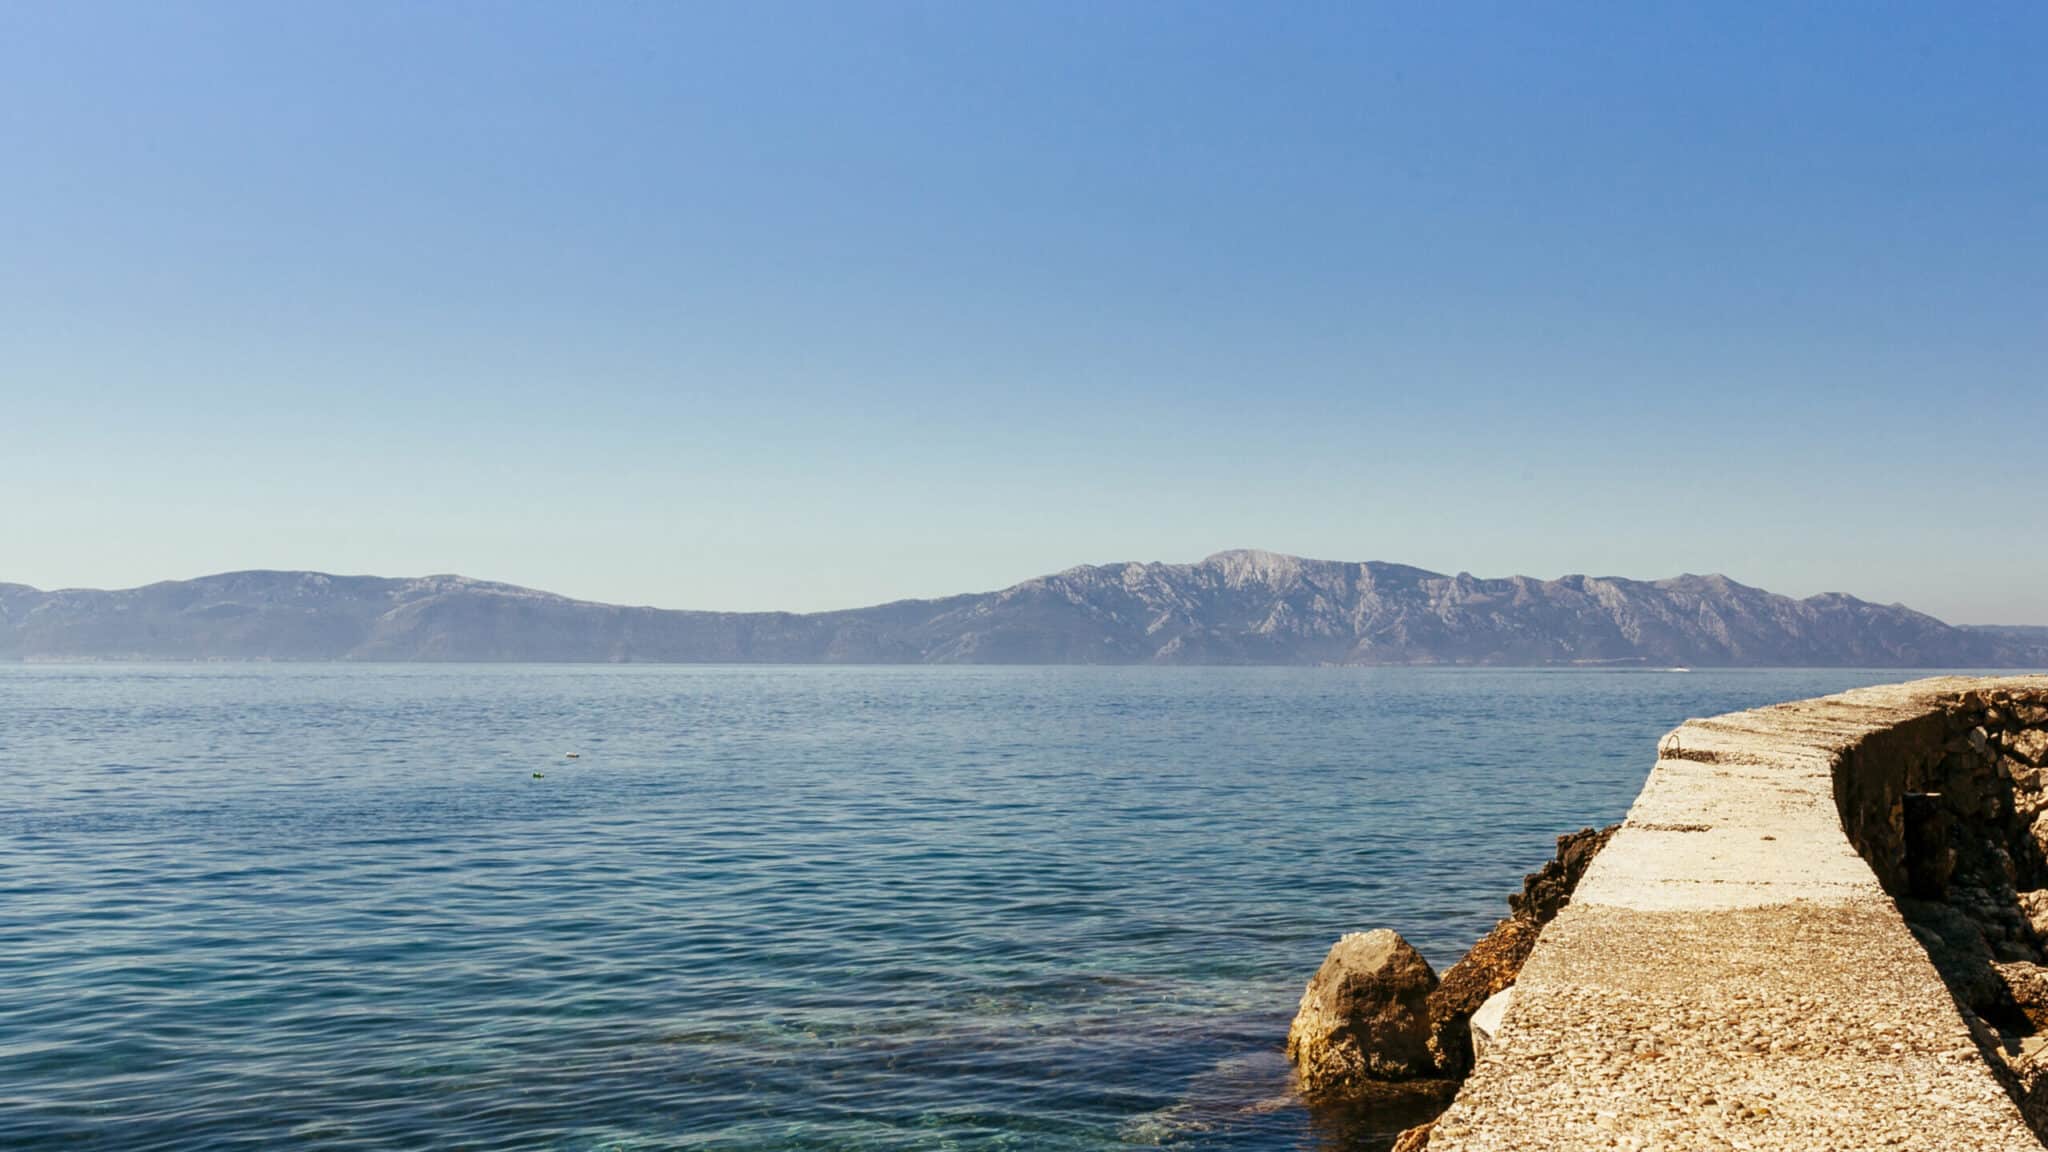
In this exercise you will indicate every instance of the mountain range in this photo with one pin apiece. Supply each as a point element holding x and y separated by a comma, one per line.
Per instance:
<point>1239,607</point>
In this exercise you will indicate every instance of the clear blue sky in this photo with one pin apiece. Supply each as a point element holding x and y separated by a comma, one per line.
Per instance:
<point>773,305</point>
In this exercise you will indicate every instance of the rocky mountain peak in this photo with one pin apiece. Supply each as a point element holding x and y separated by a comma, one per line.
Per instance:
<point>1241,566</point>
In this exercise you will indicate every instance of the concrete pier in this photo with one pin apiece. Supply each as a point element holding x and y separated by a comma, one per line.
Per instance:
<point>1732,974</point>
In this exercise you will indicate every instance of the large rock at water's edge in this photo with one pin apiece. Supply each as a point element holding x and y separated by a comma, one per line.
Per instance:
<point>1365,1015</point>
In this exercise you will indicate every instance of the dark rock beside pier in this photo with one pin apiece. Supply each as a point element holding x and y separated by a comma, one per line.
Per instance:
<point>1497,958</point>
<point>1365,1015</point>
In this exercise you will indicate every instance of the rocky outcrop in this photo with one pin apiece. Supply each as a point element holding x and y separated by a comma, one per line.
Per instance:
<point>1952,814</point>
<point>1490,966</point>
<point>1494,961</point>
<point>1356,1033</point>
<point>1550,887</point>
<point>1364,1016</point>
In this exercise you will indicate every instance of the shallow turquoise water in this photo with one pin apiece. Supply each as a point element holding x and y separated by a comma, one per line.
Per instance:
<point>975,909</point>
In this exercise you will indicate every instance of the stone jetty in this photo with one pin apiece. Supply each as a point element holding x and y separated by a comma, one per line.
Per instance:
<point>1821,927</point>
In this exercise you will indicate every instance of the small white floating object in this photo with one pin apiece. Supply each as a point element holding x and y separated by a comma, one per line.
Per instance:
<point>572,755</point>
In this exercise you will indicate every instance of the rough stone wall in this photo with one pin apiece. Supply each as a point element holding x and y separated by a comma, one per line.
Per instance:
<point>1978,752</point>
<point>1951,813</point>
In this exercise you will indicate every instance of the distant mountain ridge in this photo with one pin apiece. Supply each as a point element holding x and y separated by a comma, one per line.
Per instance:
<point>1239,607</point>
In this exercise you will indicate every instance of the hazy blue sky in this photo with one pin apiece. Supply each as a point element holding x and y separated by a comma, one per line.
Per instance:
<point>770,305</point>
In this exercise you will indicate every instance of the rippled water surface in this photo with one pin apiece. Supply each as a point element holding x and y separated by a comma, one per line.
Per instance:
<point>335,907</point>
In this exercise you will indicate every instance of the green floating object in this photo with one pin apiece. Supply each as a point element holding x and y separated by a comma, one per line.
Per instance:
<point>539,776</point>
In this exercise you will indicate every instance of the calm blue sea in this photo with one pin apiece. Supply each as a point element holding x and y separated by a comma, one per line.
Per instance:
<point>766,908</point>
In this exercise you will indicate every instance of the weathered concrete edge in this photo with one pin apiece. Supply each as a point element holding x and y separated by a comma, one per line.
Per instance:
<point>1732,913</point>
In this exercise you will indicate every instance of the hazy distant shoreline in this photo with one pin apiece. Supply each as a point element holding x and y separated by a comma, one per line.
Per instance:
<point>1233,608</point>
